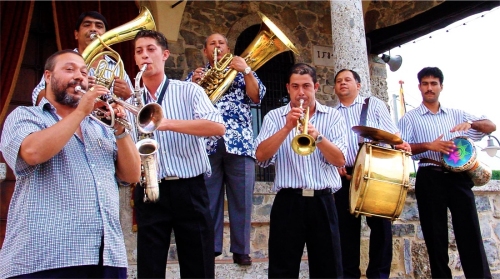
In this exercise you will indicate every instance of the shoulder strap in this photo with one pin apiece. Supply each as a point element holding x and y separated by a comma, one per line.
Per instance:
<point>364,111</point>
<point>162,93</point>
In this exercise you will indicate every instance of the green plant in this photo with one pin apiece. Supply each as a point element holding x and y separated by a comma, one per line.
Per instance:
<point>495,175</point>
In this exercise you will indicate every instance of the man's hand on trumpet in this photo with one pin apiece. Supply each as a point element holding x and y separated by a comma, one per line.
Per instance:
<point>89,100</point>
<point>293,116</point>
<point>198,74</point>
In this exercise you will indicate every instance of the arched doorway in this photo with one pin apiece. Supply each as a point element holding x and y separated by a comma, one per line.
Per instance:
<point>273,74</point>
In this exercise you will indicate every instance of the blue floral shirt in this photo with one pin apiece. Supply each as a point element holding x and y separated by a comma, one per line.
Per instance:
<point>235,109</point>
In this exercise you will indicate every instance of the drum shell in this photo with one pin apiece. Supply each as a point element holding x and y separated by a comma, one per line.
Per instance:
<point>379,182</point>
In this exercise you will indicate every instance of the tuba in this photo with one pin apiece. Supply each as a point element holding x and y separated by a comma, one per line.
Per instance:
<point>270,41</point>
<point>105,76</point>
<point>303,144</point>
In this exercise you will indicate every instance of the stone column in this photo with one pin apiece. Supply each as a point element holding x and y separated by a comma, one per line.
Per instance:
<point>349,42</point>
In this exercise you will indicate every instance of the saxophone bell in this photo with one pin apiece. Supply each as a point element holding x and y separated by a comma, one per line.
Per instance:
<point>147,150</point>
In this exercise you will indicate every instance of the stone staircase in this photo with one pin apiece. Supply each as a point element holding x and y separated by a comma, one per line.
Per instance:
<point>410,258</point>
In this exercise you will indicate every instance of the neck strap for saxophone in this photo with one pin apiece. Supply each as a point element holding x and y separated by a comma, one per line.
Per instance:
<point>162,93</point>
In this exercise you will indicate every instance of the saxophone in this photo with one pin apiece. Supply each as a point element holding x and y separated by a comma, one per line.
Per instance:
<point>147,148</point>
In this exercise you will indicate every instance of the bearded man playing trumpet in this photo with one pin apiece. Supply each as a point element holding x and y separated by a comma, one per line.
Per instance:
<point>232,157</point>
<point>304,210</point>
<point>64,218</point>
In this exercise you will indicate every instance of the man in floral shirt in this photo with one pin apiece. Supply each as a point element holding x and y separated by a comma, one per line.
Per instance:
<point>232,157</point>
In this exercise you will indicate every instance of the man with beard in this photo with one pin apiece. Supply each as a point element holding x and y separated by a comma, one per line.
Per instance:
<point>63,218</point>
<point>429,129</point>
<point>89,23</point>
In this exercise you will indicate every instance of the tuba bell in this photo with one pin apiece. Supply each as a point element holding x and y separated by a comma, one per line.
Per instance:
<point>270,41</point>
<point>303,144</point>
<point>122,33</point>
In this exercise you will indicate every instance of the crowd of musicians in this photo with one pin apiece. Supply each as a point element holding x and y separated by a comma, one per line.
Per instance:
<point>63,219</point>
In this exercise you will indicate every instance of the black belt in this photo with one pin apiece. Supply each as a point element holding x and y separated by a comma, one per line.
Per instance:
<point>306,192</point>
<point>430,161</point>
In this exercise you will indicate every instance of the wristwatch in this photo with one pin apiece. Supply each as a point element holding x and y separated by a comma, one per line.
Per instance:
<point>319,138</point>
<point>247,71</point>
<point>470,122</point>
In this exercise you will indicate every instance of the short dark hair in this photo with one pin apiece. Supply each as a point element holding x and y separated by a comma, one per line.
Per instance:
<point>354,74</point>
<point>51,61</point>
<point>430,71</point>
<point>158,36</point>
<point>302,69</point>
<point>92,14</point>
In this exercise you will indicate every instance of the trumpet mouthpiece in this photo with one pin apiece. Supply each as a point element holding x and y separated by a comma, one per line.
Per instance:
<point>79,89</point>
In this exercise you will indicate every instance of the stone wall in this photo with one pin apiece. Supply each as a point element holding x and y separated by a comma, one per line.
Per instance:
<point>410,258</point>
<point>305,23</point>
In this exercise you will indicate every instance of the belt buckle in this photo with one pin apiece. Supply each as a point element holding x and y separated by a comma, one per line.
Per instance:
<point>307,192</point>
<point>171,178</point>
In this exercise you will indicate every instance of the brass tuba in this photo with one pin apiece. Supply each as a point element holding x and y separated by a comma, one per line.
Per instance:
<point>270,41</point>
<point>122,33</point>
<point>303,144</point>
<point>148,116</point>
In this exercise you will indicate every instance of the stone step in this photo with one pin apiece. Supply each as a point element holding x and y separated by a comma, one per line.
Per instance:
<point>228,269</point>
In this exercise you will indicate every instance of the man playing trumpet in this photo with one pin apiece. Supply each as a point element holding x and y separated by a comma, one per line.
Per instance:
<point>304,210</point>
<point>64,214</point>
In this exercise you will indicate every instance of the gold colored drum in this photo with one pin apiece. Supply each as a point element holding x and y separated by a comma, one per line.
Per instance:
<point>379,182</point>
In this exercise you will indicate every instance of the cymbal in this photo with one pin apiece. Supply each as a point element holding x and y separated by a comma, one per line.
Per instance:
<point>377,135</point>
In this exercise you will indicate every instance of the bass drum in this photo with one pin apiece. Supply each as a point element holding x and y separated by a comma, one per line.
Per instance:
<point>380,182</point>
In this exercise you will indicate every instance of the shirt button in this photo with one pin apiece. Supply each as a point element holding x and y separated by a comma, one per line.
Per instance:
<point>92,165</point>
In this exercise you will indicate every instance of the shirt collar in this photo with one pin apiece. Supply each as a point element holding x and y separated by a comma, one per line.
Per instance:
<point>158,90</point>
<point>358,100</point>
<point>422,109</point>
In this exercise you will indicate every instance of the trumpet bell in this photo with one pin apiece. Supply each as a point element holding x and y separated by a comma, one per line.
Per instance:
<point>303,144</point>
<point>149,118</point>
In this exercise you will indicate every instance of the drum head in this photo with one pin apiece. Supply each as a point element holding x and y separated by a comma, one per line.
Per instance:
<point>462,158</point>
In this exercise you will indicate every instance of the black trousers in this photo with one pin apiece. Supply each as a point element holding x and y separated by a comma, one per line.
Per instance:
<point>436,191</point>
<point>184,208</point>
<point>380,253</point>
<point>297,220</point>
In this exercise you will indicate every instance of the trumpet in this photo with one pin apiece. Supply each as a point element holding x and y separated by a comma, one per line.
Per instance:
<point>303,144</point>
<point>148,117</point>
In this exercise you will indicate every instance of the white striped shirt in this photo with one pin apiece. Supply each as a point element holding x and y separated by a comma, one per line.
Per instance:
<point>107,74</point>
<point>377,116</point>
<point>306,172</point>
<point>421,125</point>
<point>180,154</point>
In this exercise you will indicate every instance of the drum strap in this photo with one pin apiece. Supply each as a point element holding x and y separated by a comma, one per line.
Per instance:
<point>362,117</point>
<point>364,111</point>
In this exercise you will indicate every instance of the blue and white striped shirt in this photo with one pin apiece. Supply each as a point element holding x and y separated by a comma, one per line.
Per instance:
<point>377,116</point>
<point>421,125</point>
<point>180,154</point>
<point>61,208</point>
<point>107,74</point>
<point>304,172</point>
